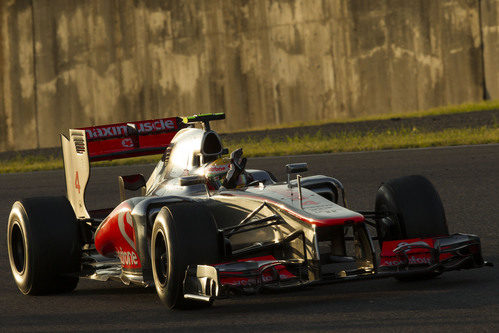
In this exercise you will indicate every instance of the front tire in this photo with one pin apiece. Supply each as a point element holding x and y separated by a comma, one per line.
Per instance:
<point>43,245</point>
<point>412,209</point>
<point>183,234</point>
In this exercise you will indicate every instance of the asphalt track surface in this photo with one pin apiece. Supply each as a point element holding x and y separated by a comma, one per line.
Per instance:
<point>466,177</point>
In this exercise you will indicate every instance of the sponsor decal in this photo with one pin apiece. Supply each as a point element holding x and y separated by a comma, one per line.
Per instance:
<point>127,142</point>
<point>413,260</point>
<point>417,255</point>
<point>266,276</point>
<point>249,282</point>
<point>322,209</point>
<point>244,282</point>
<point>126,217</point>
<point>216,168</point>
<point>103,132</point>
<point>127,258</point>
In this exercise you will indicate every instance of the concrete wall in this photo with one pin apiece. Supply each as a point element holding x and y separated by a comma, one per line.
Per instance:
<point>73,63</point>
<point>18,125</point>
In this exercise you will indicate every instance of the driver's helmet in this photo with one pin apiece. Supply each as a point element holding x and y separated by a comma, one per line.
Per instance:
<point>216,173</point>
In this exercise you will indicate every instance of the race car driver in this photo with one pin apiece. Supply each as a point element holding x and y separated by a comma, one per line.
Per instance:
<point>228,173</point>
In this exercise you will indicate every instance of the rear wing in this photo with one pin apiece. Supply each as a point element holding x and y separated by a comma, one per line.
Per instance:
<point>114,141</point>
<point>109,142</point>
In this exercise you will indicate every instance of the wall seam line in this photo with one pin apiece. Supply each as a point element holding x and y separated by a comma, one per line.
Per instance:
<point>35,82</point>
<point>485,94</point>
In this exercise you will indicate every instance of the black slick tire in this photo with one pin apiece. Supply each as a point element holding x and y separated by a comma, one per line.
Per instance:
<point>414,211</point>
<point>44,246</point>
<point>415,207</point>
<point>183,234</point>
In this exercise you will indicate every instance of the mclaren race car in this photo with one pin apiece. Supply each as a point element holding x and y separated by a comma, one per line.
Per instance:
<point>203,227</point>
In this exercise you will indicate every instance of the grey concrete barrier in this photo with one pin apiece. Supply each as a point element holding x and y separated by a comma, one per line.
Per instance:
<point>71,63</point>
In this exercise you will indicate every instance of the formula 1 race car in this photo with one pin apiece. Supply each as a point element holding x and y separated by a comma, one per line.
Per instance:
<point>204,227</point>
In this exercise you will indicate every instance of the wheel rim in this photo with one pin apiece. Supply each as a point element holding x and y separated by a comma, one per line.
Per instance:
<point>161,258</point>
<point>17,247</point>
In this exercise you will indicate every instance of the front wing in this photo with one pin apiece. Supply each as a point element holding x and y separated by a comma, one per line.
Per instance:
<point>401,258</point>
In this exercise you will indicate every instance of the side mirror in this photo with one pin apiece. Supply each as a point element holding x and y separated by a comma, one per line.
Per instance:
<point>296,168</point>
<point>192,180</point>
<point>131,183</point>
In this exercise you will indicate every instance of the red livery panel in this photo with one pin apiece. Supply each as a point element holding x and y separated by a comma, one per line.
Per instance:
<point>116,236</point>
<point>131,139</point>
<point>416,251</point>
<point>240,279</point>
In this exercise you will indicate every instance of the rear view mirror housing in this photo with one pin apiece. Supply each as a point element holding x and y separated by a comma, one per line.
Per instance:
<point>131,183</point>
<point>296,168</point>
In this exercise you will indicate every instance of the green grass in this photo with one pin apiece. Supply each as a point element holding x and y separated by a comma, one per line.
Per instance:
<point>343,142</point>
<point>30,163</point>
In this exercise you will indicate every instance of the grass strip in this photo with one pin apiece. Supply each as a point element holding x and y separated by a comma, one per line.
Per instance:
<point>437,111</point>
<point>308,144</point>
<point>347,142</point>
<point>30,163</point>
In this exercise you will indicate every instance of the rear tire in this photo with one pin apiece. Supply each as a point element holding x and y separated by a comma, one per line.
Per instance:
<point>414,211</point>
<point>183,234</point>
<point>44,246</point>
